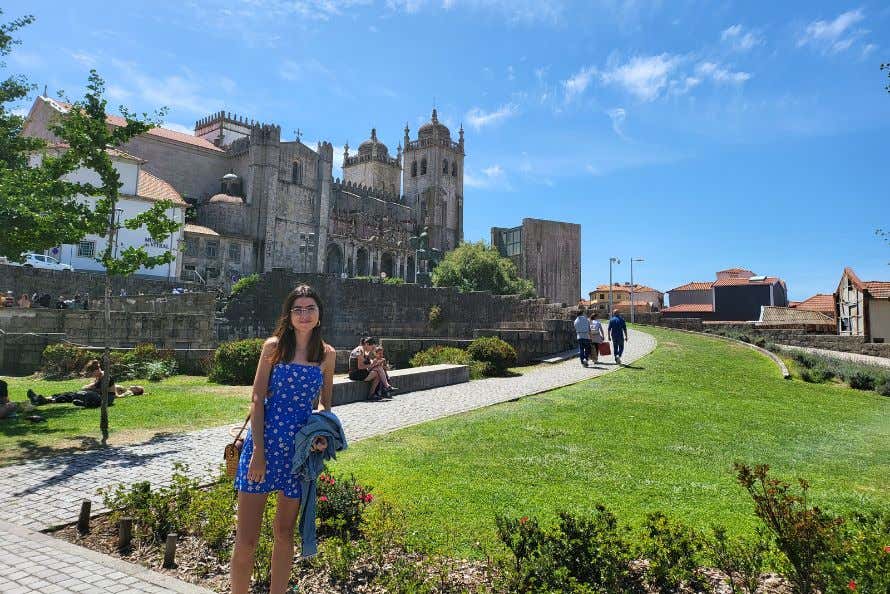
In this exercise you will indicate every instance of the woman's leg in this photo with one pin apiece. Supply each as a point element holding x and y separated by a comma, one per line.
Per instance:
<point>384,378</point>
<point>247,535</point>
<point>375,381</point>
<point>283,549</point>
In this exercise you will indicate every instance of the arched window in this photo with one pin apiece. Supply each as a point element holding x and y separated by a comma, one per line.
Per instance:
<point>414,169</point>
<point>297,173</point>
<point>423,166</point>
<point>454,169</point>
<point>444,166</point>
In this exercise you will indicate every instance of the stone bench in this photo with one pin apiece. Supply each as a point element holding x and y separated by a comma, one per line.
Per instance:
<point>407,380</point>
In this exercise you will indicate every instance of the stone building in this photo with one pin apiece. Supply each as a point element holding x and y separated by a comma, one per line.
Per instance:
<point>548,253</point>
<point>262,202</point>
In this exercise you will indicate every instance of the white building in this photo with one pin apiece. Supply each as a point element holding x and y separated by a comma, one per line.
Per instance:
<point>139,191</point>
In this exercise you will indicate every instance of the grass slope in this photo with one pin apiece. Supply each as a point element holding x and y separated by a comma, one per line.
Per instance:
<point>179,403</point>
<point>660,436</point>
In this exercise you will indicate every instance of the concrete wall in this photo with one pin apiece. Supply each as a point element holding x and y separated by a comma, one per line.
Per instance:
<point>879,319</point>
<point>28,280</point>
<point>354,308</point>
<point>551,259</point>
<point>697,297</point>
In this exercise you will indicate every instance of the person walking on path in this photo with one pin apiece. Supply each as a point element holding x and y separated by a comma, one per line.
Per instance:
<point>582,329</point>
<point>617,334</point>
<point>295,367</point>
<point>597,336</point>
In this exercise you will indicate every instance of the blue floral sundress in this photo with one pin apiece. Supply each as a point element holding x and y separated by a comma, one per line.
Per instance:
<point>287,407</point>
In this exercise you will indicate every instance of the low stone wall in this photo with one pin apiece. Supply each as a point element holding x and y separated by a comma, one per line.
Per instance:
<point>347,391</point>
<point>204,302</point>
<point>846,344</point>
<point>20,353</point>
<point>19,279</point>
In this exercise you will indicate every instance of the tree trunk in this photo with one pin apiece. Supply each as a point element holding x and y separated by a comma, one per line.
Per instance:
<point>106,361</point>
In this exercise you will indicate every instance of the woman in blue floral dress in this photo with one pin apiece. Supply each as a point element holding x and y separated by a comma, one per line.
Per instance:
<point>295,367</point>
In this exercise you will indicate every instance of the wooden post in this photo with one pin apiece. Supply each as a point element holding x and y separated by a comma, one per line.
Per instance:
<point>124,535</point>
<point>83,521</point>
<point>170,551</point>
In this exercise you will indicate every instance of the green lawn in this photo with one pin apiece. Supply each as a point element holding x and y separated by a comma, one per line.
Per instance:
<point>180,403</point>
<point>662,435</point>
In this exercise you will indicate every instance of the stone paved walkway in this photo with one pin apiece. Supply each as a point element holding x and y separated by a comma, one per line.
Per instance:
<point>841,356</point>
<point>47,492</point>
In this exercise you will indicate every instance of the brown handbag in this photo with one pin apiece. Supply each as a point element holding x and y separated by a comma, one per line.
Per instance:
<point>232,452</point>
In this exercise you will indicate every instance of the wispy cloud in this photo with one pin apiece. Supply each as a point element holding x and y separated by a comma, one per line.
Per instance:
<point>834,36</point>
<point>83,58</point>
<point>739,39</point>
<point>179,127</point>
<point>643,76</point>
<point>514,11</point>
<point>304,70</point>
<point>576,84</point>
<point>617,115</point>
<point>720,74</point>
<point>177,91</point>
<point>491,177</point>
<point>478,119</point>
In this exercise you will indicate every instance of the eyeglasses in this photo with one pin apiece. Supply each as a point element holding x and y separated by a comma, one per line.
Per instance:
<point>308,310</point>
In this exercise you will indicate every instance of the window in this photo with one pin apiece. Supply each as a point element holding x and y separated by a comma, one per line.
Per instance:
<point>423,167</point>
<point>444,166</point>
<point>188,272</point>
<point>86,249</point>
<point>297,173</point>
<point>414,169</point>
<point>453,169</point>
<point>212,273</point>
<point>512,241</point>
<point>211,249</point>
<point>235,252</point>
<point>602,295</point>
<point>191,246</point>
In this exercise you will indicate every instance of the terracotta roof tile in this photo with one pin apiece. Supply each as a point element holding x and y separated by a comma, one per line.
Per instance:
<point>819,302</point>
<point>734,270</point>
<point>689,307</point>
<point>625,289</point>
<point>734,282</point>
<point>155,189</point>
<point>878,289</point>
<point>792,315</point>
<point>694,286</point>
<point>226,198</point>
<point>198,229</point>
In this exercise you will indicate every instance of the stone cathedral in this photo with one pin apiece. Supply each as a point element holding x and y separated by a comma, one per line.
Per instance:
<point>261,202</point>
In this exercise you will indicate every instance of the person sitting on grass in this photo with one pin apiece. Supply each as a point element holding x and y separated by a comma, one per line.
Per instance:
<point>7,409</point>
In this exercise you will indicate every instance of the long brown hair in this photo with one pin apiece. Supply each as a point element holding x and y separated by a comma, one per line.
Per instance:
<point>287,337</point>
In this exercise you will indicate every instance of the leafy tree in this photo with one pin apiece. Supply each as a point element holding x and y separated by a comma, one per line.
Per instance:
<point>13,146</point>
<point>479,267</point>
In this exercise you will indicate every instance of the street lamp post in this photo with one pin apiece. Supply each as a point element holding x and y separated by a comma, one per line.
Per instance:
<point>611,261</point>
<point>632,260</point>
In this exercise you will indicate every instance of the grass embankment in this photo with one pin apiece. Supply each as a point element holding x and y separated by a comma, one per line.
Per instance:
<point>179,403</point>
<point>661,435</point>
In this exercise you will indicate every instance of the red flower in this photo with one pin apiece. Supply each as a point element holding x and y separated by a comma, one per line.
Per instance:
<point>852,584</point>
<point>523,520</point>
<point>322,498</point>
<point>887,549</point>
<point>368,498</point>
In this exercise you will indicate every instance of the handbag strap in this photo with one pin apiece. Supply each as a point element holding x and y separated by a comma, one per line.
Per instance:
<point>240,431</point>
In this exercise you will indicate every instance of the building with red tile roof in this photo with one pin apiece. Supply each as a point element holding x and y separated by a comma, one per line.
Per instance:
<point>863,307</point>
<point>821,302</point>
<point>737,294</point>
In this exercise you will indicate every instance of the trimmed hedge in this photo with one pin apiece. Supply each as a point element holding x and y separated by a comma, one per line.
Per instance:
<point>235,362</point>
<point>498,354</point>
<point>438,355</point>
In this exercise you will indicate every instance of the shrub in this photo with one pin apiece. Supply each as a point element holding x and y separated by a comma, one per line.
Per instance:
<point>338,555</point>
<point>805,359</point>
<point>63,361</point>
<point>884,387</point>
<point>862,380</point>
<point>235,362</point>
<point>672,550</point>
<point>210,516</point>
<point>498,354</point>
<point>435,316</point>
<point>741,560</point>
<point>438,355</point>
<point>806,536</point>
<point>341,506</point>
<point>865,558</point>
<point>394,280</point>
<point>244,283</point>
<point>147,361</point>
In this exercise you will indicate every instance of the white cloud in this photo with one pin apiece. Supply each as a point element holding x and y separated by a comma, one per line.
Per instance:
<point>617,115</point>
<point>578,82</point>
<point>179,127</point>
<point>643,77</point>
<point>720,74</point>
<point>83,58</point>
<point>681,87</point>
<point>305,70</point>
<point>515,11</point>
<point>27,59</point>
<point>477,118</point>
<point>834,36</point>
<point>739,39</point>
<point>22,112</point>
<point>177,91</point>
<point>492,176</point>
<point>868,49</point>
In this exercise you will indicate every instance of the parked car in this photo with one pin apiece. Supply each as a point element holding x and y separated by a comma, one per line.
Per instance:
<point>33,260</point>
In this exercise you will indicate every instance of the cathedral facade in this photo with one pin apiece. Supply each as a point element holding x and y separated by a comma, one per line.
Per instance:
<point>261,202</point>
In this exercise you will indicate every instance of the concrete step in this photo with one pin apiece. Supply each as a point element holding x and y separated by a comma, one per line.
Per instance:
<point>412,379</point>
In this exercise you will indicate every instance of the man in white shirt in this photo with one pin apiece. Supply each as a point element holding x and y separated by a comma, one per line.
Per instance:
<point>582,329</point>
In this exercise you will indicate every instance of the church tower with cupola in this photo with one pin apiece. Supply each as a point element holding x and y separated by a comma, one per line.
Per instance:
<point>433,182</point>
<point>372,167</point>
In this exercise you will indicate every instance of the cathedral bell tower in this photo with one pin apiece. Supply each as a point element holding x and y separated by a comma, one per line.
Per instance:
<point>433,182</point>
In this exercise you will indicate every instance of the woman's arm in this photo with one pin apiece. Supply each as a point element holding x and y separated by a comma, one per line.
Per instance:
<point>363,361</point>
<point>258,396</point>
<point>327,370</point>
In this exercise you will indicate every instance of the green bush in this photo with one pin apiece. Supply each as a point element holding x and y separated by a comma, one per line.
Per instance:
<point>64,361</point>
<point>244,283</point>
<point>498,354</point>
<point>865,554</point>
<point>61,361</point>
<point>341,506</point>
<point>673,551</point>
<point>742,560</point>
<point>235,362</point>
<point>394,280</point>
<point>862,380</point>
<point>438,355</point>
<point>884,387</point>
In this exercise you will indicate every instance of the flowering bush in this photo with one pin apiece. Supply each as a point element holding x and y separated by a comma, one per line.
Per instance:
<point>341,506</point>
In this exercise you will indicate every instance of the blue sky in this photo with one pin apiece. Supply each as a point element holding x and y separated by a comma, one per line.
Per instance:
<point>696,135</point>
